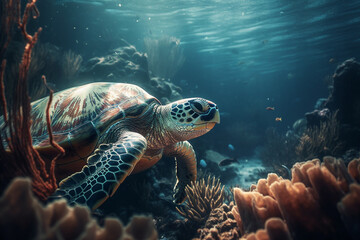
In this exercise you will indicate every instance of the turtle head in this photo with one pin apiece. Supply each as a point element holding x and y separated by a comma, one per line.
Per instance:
<point>192,117</point>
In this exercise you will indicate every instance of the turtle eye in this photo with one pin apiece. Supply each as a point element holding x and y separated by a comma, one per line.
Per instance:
<point>199,106</point>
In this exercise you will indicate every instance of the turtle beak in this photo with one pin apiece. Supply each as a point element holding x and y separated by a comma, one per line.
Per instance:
<point>216,118</point>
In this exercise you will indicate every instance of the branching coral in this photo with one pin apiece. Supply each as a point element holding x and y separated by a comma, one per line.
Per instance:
<point>17,156</point>
<point>165,57</point>
<point>319,141</point>
<point>23,217</point>
<point>202,197</point>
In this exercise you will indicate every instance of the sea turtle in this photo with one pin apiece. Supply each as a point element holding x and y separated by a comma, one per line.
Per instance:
<point>110,130</point>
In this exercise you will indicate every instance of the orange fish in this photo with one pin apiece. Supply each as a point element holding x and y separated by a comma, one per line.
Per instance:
<point>278,119</point>
<point>270,108</point>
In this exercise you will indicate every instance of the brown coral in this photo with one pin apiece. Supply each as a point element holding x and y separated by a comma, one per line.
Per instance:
<point>256,206</point>
<point>221,224</point>
<point>23,217</point>
<point>320,202</point>
<point>202,197</point>
<point>17,155</point>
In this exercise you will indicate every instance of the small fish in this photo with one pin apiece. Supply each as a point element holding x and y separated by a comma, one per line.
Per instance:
<point>331,60</point>
<point>270,108</point>
<point>203,163</point>
<point>278,119</point>
<point>227,162</point>
<point>231,147</point>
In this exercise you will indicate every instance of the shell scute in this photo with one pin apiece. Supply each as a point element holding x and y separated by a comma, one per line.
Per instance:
<point>100,104</point>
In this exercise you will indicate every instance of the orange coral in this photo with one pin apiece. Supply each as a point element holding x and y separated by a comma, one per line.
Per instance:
<point>17,156</point>
<point>23,217</point>
<point>354,169</point>
<point>256,208</point>
<point>321,202</point>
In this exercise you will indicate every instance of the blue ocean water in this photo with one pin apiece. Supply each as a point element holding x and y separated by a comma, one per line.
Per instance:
<point>245,55</point>
<point>265,63</point>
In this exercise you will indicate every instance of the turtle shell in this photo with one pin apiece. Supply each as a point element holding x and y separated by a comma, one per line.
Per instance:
<point>86,111</point>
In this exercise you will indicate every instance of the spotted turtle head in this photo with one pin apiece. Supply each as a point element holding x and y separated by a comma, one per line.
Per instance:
<point>193,117</point>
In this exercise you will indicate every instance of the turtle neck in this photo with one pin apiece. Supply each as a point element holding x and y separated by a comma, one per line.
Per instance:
<point>161,134</point>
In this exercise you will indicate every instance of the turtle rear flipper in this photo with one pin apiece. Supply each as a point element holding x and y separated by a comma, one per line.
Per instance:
<point>106,170</point>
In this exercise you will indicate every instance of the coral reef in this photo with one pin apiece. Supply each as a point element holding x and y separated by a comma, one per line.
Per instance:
<point>126,64</point>
<point>309,204</point>
<point>165,56</point>
<point>202,197</point>
<point>23,217</point>
<point>319,141</point>
<point>320,202</point>
<point>343,97</point>
<point>221,224</point>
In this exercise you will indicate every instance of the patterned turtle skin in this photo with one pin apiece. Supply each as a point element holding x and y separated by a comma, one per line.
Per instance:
<point>110,130</point>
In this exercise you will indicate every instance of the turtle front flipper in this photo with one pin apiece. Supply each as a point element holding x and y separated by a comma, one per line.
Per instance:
<point>185,167</point>
<point>106,170</point>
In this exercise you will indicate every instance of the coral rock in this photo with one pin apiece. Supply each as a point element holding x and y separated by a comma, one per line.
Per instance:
<point>126,64</point>
<point>345,98</point>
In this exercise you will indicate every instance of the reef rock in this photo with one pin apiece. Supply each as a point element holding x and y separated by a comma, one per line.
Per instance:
<point>345,95</point>
<point>345,98</point>
<point>123,63</point>
<point>126,64</point>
